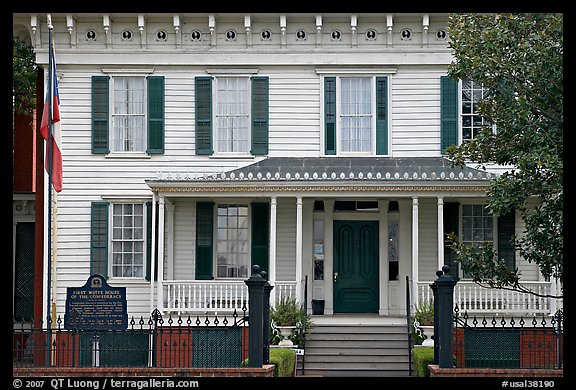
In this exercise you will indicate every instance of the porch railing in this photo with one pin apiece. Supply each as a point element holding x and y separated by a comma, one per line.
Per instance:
<point>474,299</point>
<point>214,296</point>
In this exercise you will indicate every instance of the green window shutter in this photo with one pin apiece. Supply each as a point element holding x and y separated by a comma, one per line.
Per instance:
<point>155,115</point>
<point>100,114</point>
<point>448,112</point>
<point>203,86</point>
<point>330,115</point>
<point>451,225</point>
<point>506,249</point>
<point>381,115</point>
<point>149,254</point>
<point>204,240</point>
<point>99,239</point>
<point>260,235</point>
<point>259,115</point>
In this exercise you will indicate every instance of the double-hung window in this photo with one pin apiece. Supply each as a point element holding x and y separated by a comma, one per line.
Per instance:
<point>471,121</point>
<point>232,245</point>
<point>355,115</point>
<point>129,115</point>
<point>121,239</point>
<point>232,115</point>
<point>459,115</point>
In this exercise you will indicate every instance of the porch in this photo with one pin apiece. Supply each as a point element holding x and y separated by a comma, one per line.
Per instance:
<point>197,296</point>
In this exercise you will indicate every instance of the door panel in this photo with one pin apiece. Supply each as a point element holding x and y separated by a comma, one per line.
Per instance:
<point>355,267</point>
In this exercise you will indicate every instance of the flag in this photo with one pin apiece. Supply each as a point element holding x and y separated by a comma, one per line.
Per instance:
<point>52,102</point>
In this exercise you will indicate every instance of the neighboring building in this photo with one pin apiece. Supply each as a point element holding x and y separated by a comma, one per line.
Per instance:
<point>196,145</point>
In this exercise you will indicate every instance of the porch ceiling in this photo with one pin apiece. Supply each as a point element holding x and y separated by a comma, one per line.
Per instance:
<point>322,173</point>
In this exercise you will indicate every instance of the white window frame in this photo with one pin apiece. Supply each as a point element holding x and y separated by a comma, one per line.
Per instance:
<point>461,115</point>
<point>111,239</point>
<point>340,147</point>
<point>461,231</point>
<point>216,130</point>
<point>114,116</point>
<point>248,238</point>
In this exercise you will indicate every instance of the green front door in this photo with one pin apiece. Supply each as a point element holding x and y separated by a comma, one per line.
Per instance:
<point>355,267</point>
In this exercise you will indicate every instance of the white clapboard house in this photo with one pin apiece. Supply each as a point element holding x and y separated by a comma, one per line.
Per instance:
<point>313,145</point>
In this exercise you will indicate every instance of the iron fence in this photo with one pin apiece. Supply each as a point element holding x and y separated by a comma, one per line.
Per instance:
<point>508,342</point>
<point>174,341</point>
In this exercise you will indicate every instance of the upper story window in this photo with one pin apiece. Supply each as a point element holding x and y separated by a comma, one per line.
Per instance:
<point>355,115</point>
<point>471,121</point>
<point>128,114</point>
<point>460,120</point>
<point>232,115</point>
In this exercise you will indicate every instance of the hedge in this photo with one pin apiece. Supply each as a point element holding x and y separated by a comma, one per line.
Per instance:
<point>422,356</point>
<point>284,360</point>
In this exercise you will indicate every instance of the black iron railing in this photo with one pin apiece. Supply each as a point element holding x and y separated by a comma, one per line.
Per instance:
<point>173,341</point>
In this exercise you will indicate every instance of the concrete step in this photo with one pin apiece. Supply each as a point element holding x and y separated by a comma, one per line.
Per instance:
<point>356,373</point>
<point>365,359</point>
<point>349,366</point>
<point>322,350</point>
<point>357,343</point>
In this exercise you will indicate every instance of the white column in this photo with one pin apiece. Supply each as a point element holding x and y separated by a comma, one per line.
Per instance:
<point>440,232</point>
<point>299,293</point>
<point>272,263</point>
<point>329,256</point>
<point>414,292</point>
<point>169,233</point>
<point>153,249</point>
<point>383,264</point>
<point>160,294</point>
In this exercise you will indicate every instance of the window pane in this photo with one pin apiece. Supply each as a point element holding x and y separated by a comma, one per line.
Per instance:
<point>128,240</point>
<point>232,244</point>
<point>128,114</point>
<point>232,115</point>
<point>356,114</point>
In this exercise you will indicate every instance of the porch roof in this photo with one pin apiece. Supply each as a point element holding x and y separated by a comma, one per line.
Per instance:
<point>330,171</point>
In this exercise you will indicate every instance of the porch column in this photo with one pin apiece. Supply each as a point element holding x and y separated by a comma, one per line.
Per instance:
<point>414,294</point>
<point>383,263</point>
<point>272,254</point>
<point>329,256</point>
<point>299,293</point>
<point>169,232</point>
<point>160,295</point>
<point>153,249</point>
<point>440,232</point>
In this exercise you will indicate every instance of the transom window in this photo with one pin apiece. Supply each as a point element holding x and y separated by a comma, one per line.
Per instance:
<point>233,115</point>
<point>356,114</point>
<point>232,241</point>
<point>128,237</point>
<point>471,120</point>
<point>128,114</point>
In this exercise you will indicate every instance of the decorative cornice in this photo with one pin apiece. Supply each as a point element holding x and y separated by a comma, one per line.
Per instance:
<point>322,188</point>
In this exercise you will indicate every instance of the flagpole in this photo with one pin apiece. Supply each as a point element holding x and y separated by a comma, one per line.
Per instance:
<point>49,147</point>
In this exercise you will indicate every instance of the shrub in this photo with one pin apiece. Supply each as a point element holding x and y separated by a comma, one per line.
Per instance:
<point>284,360</point>
<point>422,356</point>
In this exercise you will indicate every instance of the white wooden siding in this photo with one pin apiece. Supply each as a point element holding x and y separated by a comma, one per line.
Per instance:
<point>427,238</point>
<point>286,239</point>
<point>415,115</point>
<point>184,240</point>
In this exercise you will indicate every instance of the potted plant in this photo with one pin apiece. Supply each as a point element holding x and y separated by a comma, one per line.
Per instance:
<point>423,321</point>
<point>288,322</point>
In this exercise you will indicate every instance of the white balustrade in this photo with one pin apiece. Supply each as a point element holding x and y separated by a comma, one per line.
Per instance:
<point>476,299</point>
<point>214,296</point>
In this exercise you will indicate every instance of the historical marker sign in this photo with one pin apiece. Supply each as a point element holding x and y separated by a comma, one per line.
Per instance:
<point>96,305</point>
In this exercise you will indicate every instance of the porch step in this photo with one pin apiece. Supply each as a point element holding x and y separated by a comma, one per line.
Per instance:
<point>356,347</point>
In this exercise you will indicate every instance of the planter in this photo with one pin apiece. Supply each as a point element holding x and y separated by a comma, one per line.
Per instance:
<point>428,331</point>
<point>285,332</point>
